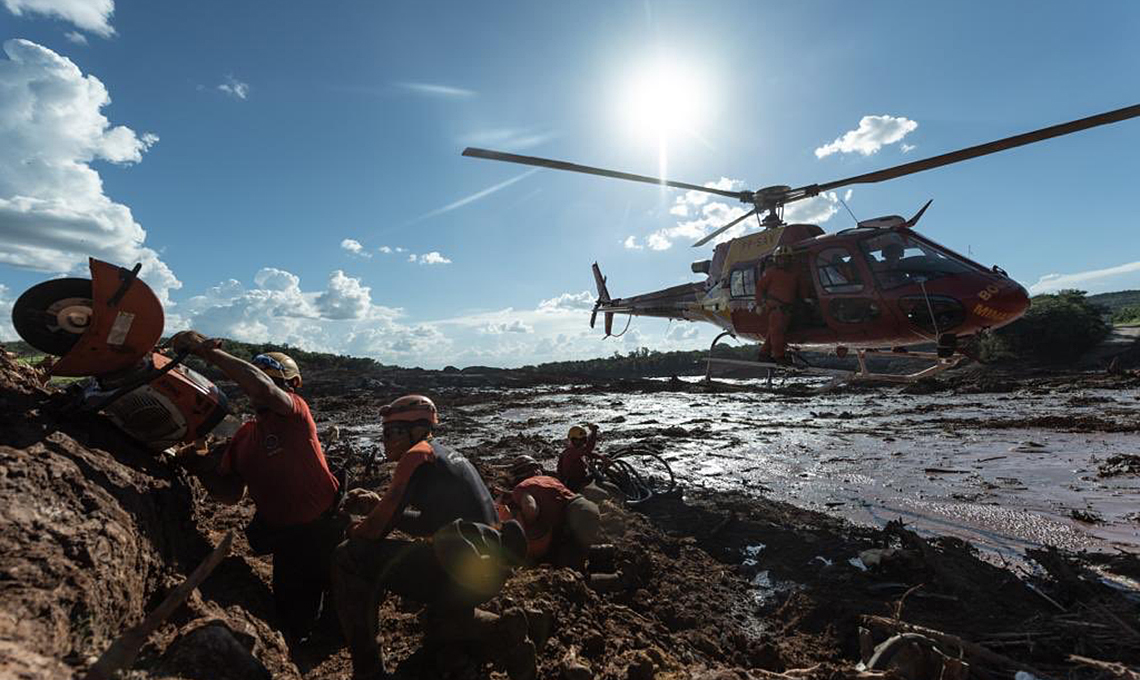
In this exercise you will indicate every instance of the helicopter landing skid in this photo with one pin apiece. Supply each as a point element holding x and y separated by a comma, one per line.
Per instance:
<point>841,375</point>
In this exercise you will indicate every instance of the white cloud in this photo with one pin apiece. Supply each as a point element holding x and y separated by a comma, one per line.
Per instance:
<point>437,90</point>
<point>90,15</point>
<point>401,250</point>
<point>340,319</point>
<point>384,249</point>
<point>345,298</point>
<point>873,133</point>
<point>353,246</point>
<point>235,88</point>
<point>7,331</point>
<point>433,258</point>
<point>700,216</point>
<point>53,212</point>
<point>516,326</point>
<point>906,148</point>
<point>509,138</point>
<point>631,243</point>
<point>76,37</point>
<point>412,257</point>
<point>1094,280</point>
<point>814,210</point>
<point>567,302</point>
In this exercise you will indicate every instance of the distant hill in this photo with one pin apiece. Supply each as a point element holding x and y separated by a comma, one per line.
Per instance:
<point>1114,302</point>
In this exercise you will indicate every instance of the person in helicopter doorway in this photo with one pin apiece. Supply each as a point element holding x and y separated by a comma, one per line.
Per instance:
<point>777,292</point>
<point>457,561</point>
<point>560,525</point>
<point>278,458</point>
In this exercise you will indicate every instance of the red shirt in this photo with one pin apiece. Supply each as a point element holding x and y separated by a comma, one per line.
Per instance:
<point>572,463</point>
<point>551,496</point>
<point>280,460</point>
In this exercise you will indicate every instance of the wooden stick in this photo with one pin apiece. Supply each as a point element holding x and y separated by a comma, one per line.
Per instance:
<point>1117,669</point>
<point>952,640</point>
<point>122,652</point>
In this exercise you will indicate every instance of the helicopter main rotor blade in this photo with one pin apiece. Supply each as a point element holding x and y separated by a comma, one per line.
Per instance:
<point>725,228</point>
<point>973,151</point>
<point>574,167</point>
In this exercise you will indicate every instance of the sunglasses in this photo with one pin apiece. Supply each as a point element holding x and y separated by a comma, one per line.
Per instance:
<point>391,431</point>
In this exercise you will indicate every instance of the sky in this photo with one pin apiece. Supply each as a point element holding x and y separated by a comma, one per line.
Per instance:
<point>291,172</point>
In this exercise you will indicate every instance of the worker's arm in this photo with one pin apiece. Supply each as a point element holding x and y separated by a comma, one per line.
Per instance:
<point>258,386</point>
<point>223,485</point>
<point>385,515</point>
<point>592,440</point>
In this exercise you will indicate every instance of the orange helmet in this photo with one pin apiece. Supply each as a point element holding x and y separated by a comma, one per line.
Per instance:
<point>278,365</point>
<point>410,408</point>
<point>523,467</point>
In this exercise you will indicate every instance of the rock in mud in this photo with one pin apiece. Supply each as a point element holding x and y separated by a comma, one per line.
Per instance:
<point>212,650</point>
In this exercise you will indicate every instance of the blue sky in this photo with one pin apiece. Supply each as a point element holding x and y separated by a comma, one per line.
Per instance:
<point>256,156</point>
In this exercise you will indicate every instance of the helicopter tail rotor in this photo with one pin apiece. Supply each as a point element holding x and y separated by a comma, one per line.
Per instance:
<point>603,299</point>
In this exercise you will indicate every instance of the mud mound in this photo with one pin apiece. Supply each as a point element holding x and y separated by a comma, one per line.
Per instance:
<point>1121,464</point>
<point>93,532</point>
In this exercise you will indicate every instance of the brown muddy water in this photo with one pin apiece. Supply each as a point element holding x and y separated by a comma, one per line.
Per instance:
<point>1004,471</point>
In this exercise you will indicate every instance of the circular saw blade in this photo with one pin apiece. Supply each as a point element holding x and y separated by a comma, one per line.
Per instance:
<point>53,315</point>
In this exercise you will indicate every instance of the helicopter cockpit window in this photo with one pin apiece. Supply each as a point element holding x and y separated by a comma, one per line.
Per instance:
<point>837,271</point>
<point>744,282</point>
<point>898,260</point>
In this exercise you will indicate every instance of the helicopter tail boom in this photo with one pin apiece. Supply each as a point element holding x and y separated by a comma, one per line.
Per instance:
<point>676,302</point>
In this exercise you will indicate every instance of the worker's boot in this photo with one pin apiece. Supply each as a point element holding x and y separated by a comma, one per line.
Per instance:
<point>460,625</point>
<point>601,557</point>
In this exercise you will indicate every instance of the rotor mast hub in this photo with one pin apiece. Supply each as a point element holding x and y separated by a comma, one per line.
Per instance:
<point>771,200</point>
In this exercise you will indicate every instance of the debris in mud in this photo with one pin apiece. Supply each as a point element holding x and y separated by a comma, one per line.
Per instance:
<point>1086,516</point>
<point>1120,464</point>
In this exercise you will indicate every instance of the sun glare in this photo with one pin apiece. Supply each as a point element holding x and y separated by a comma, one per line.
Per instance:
<point>661,103</point>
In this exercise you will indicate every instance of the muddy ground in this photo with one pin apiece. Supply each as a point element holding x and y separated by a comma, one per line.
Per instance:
<point>774,556</point>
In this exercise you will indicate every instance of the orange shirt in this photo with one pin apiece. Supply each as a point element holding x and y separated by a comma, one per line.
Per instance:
<point>779,285</point>
<point>551,496</point>
<point>281,461</point>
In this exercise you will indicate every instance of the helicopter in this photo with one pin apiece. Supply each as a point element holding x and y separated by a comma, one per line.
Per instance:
<point>876,288</point>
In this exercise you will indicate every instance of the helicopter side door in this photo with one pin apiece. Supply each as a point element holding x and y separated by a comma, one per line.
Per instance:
<point>848,299</point>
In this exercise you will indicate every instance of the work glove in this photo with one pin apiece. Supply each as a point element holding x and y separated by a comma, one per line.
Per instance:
<point>193,341</point>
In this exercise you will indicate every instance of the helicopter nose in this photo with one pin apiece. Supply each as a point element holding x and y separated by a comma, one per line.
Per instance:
<point>1004,305</point>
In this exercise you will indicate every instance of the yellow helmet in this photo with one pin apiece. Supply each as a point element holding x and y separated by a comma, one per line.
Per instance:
<point>782,251</point>
<point>278,365</point>
<point>576,432</point>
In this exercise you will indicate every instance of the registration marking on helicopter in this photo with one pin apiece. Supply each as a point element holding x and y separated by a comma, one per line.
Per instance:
<point>755,245</point>
<point>990,313</point>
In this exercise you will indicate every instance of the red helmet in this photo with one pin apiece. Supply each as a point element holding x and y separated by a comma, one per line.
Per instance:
<point>410,408</point>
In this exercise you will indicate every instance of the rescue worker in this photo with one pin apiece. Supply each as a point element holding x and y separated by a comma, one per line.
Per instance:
<point>572,469</point>
<point>278,458</point>
<point>777,292</point>
<point>461,560</point>
<point>560,525</point>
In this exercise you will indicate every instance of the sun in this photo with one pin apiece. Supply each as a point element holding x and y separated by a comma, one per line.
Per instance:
<point>663,101</point>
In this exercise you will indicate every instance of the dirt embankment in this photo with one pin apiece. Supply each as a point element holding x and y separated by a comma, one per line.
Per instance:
<point>96,531</point>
